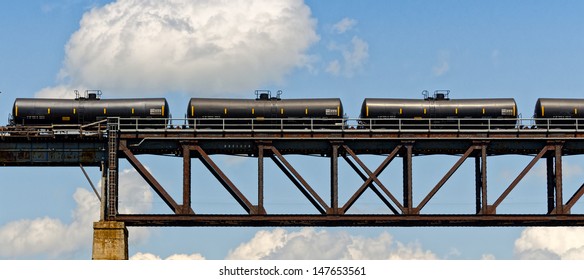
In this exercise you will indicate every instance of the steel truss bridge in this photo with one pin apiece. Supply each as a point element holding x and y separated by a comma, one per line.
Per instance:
<point>103,144</point>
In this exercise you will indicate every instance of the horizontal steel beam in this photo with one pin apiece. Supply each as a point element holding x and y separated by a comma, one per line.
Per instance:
<point>351,220</point>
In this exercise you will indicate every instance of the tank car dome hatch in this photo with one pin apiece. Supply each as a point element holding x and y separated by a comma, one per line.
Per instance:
<point>92,94</point>
<point>442,94</point>
<point>264,94</point>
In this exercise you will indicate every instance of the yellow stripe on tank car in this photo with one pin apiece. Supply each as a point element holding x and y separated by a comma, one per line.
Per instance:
<point>132,111</point>
<point>253,111</point>
<point>575,111</point>
<point>338,111</point>
<point>225,111</point>
<point>401,111</point>
<point>483,111</point>
<point>424,111</point>
<point>542,111</point>
<point>104,111</point>
<point>367,111</point>
<point>456,111</point>
<point>514,110</point>
<point>192,111</point>
<point>306,111</point>
<point>74,111</point>
<point>49,111</point>
<point>162,110</point>
<point>16,111</point>
<point>282,111</point>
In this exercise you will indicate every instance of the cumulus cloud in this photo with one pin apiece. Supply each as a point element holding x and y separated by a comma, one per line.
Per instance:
<point>354,56</point>
<point>551,243</point>
<point>309,243</point>
<point>149,256</point>
<point>443,64</point>
<point>136,47</point>
<point>344,25</point>
<point>51,238</point>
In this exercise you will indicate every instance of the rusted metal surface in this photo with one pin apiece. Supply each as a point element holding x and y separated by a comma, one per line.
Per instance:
<point>372,177</point>
<point>352,220</point>
<point>25,149</point>
<point>229,186</point>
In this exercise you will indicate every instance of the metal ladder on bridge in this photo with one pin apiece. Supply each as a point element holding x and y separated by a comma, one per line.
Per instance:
<point>112,182</point>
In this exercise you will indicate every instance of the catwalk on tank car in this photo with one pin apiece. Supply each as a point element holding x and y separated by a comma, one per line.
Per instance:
<point>265,112</point>
<point>559,113</point>
<point>89,108</point>
<point>438,112</point>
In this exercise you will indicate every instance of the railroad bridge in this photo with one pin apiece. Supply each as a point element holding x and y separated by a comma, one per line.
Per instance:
<point>103,144</point>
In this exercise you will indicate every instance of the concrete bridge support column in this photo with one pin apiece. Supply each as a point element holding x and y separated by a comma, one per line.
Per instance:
<point>110,241</point>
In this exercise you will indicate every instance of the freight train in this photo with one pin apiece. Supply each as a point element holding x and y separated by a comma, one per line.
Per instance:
<point>272,112</point>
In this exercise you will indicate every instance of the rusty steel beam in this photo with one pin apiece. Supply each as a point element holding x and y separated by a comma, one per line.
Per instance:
<point>444,179</point>
<point>352,220</point>
<point>372,177</point>
<point>261,209</point>
<point>493,208</point>
<point>481,180</point>
<point>334,171</point>
<point>299,182</point>
<point>551,184</point>
<point>408,193</point>
<point>558,178</point>
<point>229,186</point>
<point>149,178</point>
<point>186,152</point>
<point>577,195</point>
<point>371,185</point>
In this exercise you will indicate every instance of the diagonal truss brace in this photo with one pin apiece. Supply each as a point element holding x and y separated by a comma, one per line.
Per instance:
<point>300,183</point>
<point>229,186</point>
<point>445,178</point>
<point>574,199</point>
<point>372,177</point>
<point>149,178</point>
<point>492,209</point>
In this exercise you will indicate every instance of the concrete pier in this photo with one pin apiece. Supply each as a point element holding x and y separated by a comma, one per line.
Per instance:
<point>110,241</point>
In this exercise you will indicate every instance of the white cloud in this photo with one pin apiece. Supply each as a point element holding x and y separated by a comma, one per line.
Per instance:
<point>49,236</point>
<point>149,256</point>
<point>52,238</point>
<point>551,243</point>
<point>354,57</point>
<point>334,67</point>
<point>138,48</point>
<point>443,64</point>
<point>311,244</point>
<point>344,25</point>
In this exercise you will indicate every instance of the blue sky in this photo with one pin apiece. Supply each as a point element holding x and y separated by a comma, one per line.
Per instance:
<point>346,49</point>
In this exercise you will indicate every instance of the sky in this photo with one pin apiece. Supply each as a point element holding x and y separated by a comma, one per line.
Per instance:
<point>353,50</point>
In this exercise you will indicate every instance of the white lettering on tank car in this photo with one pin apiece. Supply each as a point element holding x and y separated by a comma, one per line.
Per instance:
<point>155,112</point>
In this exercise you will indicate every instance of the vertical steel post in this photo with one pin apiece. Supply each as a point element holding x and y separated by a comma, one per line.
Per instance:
<point>484,177</point>
<point>559,198</point>
<point>103,202</point>
<point>335,179</point>
<point>186,151</point>
<point>481,180</point>
<point>407,178</point>
<point>260,178</point>
<point>478,185</point>
<point>551,184</point>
